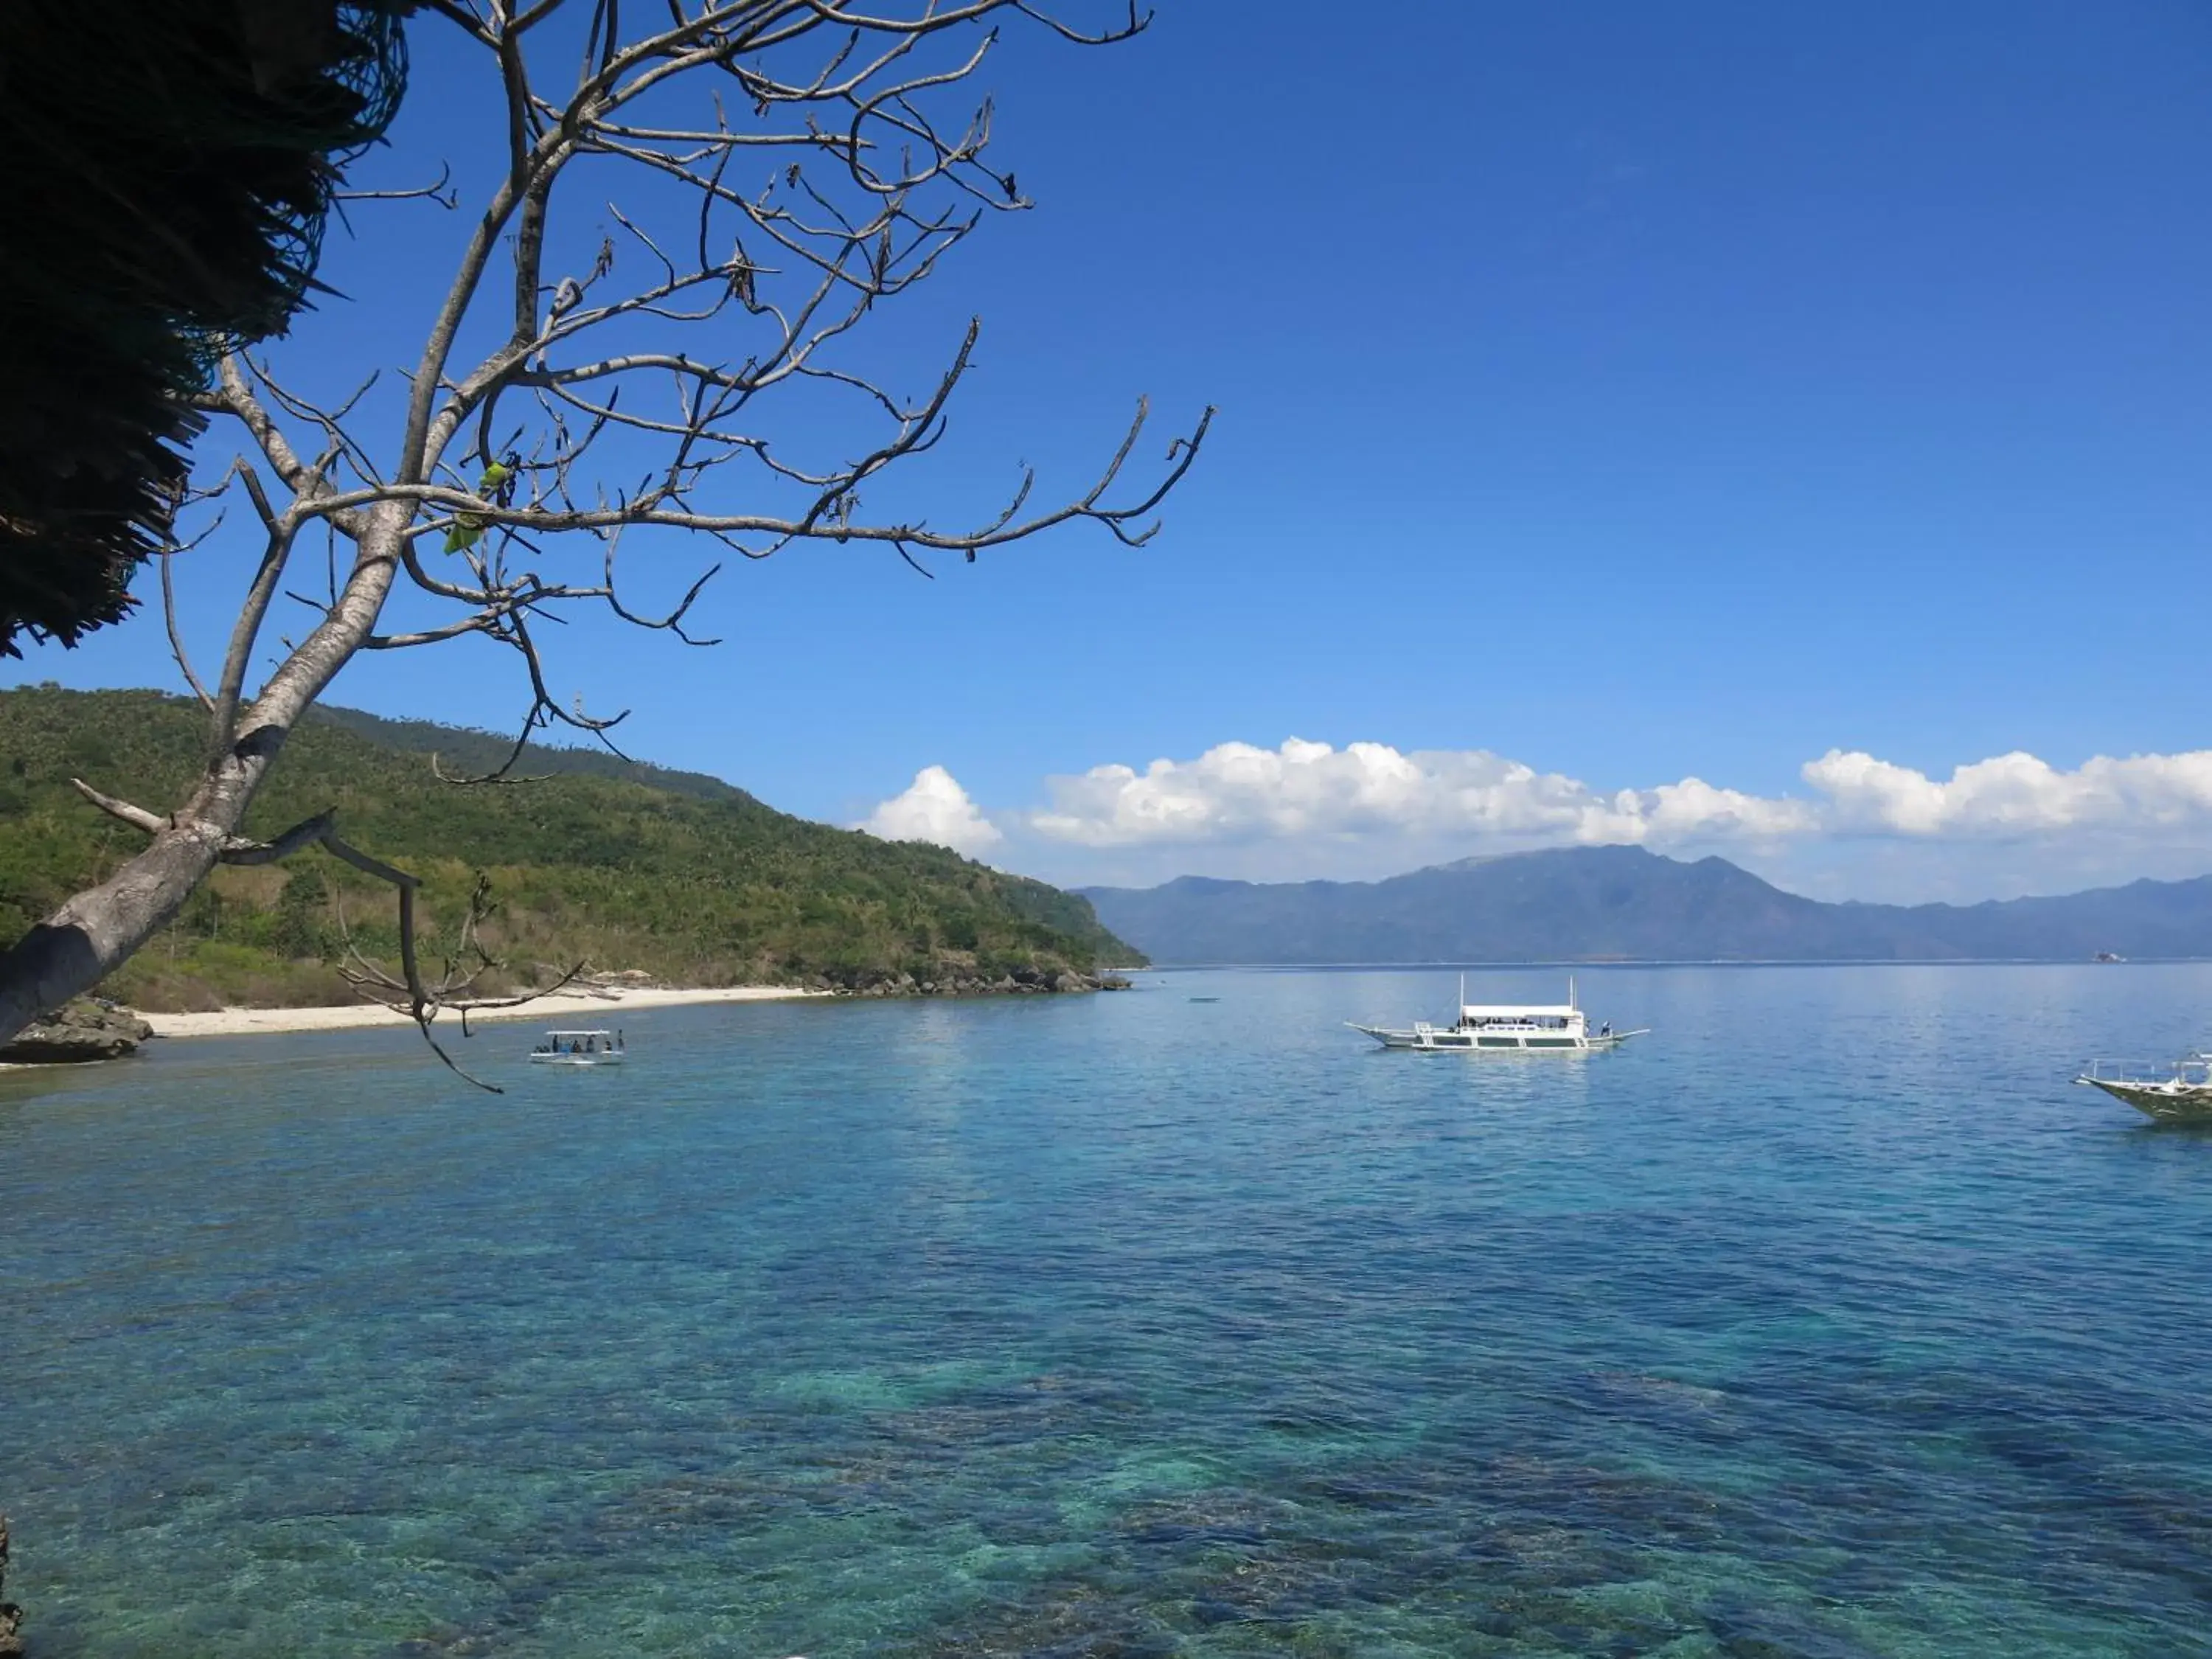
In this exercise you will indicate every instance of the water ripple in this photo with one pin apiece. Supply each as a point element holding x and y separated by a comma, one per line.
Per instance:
<point>1829,1323</point>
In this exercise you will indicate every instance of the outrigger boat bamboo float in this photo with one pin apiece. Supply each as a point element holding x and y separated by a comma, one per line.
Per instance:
<point>1498,1028</point>
<point>2182,1095</point>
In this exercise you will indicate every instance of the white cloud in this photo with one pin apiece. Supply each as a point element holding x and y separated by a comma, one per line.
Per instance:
<point>1239,793</point>
<point>1861,828</point>
<point>2015,795</point>
<point>935,808</point>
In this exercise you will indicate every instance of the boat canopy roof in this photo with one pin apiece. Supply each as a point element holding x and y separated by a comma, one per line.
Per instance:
<point>1503,1011</point>
<point>581,1032</point>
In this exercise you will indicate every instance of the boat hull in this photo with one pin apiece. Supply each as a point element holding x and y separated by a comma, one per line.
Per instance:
<point>2166,1102</point>
<point>576,1060</point>
<point>1461,1042</point>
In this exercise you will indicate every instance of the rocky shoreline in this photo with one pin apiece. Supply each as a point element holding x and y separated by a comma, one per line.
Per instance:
<point>92,1029</point>
<point>1024,981</point>
<point>81,1031</point>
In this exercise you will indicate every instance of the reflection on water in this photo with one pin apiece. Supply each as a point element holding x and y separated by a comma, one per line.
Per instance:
<point>1828,1320</point>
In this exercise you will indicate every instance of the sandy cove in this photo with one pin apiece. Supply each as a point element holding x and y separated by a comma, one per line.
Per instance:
<point>587,1010</point>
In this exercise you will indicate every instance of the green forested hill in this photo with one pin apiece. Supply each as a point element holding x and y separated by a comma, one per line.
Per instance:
<point>676,875</point>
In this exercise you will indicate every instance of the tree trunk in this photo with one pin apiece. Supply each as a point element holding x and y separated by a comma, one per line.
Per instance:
<point>98,930</point>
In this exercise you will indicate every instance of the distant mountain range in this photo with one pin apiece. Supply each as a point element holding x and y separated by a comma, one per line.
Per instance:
<point>1624,904</point>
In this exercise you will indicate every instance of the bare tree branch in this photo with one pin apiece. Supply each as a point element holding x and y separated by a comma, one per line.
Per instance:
<point>176,640</point>
<point>806,163</point>
<point>439,190</point>
<point>423,999</point>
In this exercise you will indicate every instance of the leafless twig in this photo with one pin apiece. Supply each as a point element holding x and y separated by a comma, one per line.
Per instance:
<point>593,368</point>
<point>423,999</point>
<point>440,190</point>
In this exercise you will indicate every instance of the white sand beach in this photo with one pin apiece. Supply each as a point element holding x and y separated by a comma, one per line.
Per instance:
<point>593,1009</point>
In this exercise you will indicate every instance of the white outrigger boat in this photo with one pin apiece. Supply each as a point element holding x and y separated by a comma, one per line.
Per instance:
<point>1484,1027</point>
<point>579,1048</point>
<point>2178,1092</point>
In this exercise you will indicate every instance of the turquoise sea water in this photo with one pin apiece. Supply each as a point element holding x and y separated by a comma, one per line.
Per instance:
<point>1828,1320</point>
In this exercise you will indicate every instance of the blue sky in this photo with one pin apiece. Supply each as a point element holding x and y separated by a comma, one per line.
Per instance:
<point>1638,394</point>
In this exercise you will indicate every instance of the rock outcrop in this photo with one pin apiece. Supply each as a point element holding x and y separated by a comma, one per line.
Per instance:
<point>81,1030</point>
<point>11,1616</point>
<point>970,982</point>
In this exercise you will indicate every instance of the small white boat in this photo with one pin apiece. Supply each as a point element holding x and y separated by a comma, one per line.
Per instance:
<point>579,1048</point>
<point>1500,1028</point>
<point>2178,1092</point>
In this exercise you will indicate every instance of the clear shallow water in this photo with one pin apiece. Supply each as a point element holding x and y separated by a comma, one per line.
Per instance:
<point>1826,1322</point>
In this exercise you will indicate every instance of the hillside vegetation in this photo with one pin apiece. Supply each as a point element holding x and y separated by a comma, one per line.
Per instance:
<point>674,875</point>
